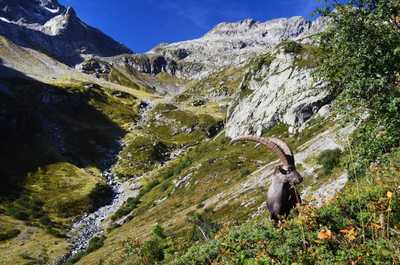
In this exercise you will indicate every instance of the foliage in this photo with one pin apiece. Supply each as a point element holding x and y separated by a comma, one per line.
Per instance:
<point>290,46</point>
<point>151,251</point>
<point>9,234</point>
<point>360,59</point>
<point>95,243</point>
<point>329,159</point>
<point>359,227</point>
<point>126,208</point>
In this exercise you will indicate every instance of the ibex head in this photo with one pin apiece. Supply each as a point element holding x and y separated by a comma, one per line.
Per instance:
<point>286,172</point>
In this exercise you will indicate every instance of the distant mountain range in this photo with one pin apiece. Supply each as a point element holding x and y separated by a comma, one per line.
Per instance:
<point>49,27</point>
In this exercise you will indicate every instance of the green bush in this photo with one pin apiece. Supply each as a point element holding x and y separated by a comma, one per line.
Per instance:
<point>329,159</point>
<point>130,205</point>
<point>95,243</point>
<point>199,254</point>
<point>148,186</point>
<point>9,234</point>
<point>290,46</point>
<point>360,60</point>
<point>153,250</point>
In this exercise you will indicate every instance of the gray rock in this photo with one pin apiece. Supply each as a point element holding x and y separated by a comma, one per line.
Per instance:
<point>279,92</point>
<point>233,44</point>
<point>228,44</point>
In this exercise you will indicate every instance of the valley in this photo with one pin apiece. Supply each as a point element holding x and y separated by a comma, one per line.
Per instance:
<point>113,157</point>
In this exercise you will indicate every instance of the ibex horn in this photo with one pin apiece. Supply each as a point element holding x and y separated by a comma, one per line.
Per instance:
<point>280,148</point>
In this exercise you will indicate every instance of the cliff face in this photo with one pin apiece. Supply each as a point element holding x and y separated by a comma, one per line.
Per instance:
<point>228,44</point>
<point>55,30</point>
<point>234,43</point>
<point>276,92</point>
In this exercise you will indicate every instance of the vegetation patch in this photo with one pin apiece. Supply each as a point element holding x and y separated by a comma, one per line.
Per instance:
<point>329,160</point>
<point>9,234</point>
<point>360,226</point>
<point>141,154</point>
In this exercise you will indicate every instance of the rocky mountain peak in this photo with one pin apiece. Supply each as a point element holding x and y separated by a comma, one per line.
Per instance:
<point>233,43</point>
<point>30,11</point>
<point>60,23</point>
<point>47,26</point>
<point>70,13</point>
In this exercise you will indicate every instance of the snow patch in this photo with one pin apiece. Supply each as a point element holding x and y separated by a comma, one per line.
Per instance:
<point>54,11</point>
<point>5,20</point>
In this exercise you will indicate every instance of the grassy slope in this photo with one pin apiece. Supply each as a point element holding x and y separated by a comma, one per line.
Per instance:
<point>54,184</point>
<point>218,173</point>
<point>166,129</point>
<point>361,226</point>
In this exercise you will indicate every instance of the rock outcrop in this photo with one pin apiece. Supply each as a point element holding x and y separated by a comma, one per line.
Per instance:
<point>49,27</point>
<point>275,92</point>
<point>228,44</point>
<point>234,43</point>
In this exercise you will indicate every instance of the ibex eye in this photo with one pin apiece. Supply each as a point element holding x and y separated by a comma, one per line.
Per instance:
<point>284,171</point>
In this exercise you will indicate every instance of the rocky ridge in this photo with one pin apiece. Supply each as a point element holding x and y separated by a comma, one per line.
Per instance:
<point>228,44</point>
<point>49,27</point>
<point>234,43</point>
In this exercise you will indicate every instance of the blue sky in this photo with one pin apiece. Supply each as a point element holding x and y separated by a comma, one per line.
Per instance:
<point>142,24</point>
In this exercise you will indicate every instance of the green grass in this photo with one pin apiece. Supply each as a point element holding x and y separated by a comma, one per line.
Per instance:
<point>211,168</point>
<point>118,77</point>
<point>142,153</point>
<point>329,159</point>
<point>362,224</point>
<point>55,138</point>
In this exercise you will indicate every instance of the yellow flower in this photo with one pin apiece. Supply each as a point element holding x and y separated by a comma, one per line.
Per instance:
<point>389,195</point>
<point>349,233</point>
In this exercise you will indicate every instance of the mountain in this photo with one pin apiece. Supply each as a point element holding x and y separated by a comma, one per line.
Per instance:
<point>49,27</point>
<point>138,133</point>
<point>228,44</point>
<point>110,157</point>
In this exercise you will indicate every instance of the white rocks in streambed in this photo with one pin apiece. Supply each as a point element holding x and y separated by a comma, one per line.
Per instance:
<point>280,93</point>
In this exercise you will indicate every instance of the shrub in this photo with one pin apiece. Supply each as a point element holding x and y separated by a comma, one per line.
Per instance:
<point>128,207</point>
<point>290,46</point>
<point>5,235</point>
<point>359,59</point>
<point>148,186</point>
<point>329,159</point>
<point>158,231</point>
<point>153,250</point>
<point>199,254</point>
<point>95,243</point>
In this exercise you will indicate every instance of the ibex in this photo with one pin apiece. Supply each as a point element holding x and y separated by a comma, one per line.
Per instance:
<point>282,195</point>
